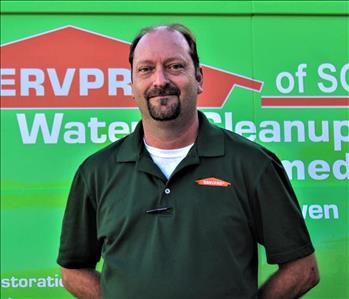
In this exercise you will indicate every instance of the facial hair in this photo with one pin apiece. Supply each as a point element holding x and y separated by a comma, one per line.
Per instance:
<point>173,110</point>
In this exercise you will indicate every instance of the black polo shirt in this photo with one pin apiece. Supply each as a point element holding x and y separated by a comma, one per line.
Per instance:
<point>193,236</point>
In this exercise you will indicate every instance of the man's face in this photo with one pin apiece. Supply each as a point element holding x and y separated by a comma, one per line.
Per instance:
<point>165,85</point>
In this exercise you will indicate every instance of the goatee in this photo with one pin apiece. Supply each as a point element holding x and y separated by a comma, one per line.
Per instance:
<point>164,110</point>
<point>171,112</point>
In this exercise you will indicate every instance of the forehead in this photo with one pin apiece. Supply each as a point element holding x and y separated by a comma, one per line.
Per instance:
<point>161,44</point>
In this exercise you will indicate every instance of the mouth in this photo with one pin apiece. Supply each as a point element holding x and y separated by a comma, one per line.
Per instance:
<point>162,97</point>
<point>166,92</point>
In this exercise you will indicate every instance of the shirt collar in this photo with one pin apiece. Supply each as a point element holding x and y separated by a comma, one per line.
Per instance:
<point>209,142</point>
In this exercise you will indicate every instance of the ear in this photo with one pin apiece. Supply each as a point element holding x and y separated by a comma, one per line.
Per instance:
<point>200,78</point>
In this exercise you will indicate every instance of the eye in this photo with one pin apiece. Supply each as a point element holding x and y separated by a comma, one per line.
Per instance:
<point>145,69</point>
<point>176,66</point>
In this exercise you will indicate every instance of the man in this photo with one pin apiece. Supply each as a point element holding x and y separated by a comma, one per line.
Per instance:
<point>176,208</point>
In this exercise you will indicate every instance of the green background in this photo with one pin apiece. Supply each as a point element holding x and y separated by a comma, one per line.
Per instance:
<point>257,39</point>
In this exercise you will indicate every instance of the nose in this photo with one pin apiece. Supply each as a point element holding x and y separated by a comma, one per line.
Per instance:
<point>160,77</point>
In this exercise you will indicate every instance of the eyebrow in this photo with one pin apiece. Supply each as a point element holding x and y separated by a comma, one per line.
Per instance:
<point>148,61</point>
<point>144,61</point>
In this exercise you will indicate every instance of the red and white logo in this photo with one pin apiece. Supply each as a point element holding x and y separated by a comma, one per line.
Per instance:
<point>70,67</point>
<point>214,182</point>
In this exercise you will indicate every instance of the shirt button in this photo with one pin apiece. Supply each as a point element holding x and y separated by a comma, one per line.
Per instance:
<point>167,191</point>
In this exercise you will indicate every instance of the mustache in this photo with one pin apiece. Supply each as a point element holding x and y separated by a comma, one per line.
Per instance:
<point>162,91</point>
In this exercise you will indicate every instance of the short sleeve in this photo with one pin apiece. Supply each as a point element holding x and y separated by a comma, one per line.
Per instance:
<point>79,246</point>
<point>280,226</point>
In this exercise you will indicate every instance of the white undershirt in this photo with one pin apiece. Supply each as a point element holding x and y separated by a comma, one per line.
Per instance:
<point>167,159</point>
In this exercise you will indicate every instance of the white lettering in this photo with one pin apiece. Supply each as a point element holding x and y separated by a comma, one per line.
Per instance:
<point>329,78</point>
<point>115,84</point>
<point>271,134</point>
<point>316,211</point>
<point>324,136</point>
<point>14,282</point>
<point>58,89</point>
<point>117,128</point>
<point>32,282</point>
<point>39,124</point>
<point>86,84</point>
<point>334,209</point>
<point>300,74</point>
<point>3,82</point>
<point>36,83</point>
<point>279,80</point>
<point>298,165</point>
<point>288,130</point>
<point>341,168</point>
<point>246,127</point>
<point>318,170</point>
<point>23,283</point>
<point>94,125</point>
<point>40,282</point>
<point>5,283</point>
<point>338,136</point>
<point>344,77</point>
<point>75,136</point>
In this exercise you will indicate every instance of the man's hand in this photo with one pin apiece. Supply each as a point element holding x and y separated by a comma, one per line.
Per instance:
<point>292,279</point>
<point>82,283</point>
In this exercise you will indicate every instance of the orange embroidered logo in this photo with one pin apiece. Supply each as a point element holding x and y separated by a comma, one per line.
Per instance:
<point>213,182</point>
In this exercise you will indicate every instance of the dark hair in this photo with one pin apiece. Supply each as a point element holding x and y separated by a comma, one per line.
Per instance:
<point>187,34</point>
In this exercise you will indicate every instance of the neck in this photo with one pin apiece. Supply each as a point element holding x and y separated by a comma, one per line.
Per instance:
<point>171,134</point>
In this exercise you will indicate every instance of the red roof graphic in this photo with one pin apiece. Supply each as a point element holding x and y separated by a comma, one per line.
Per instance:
<point>71,67</point>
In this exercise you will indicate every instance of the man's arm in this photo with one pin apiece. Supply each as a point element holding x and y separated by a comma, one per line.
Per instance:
<point>291,280</point>
<point>82,283</point>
